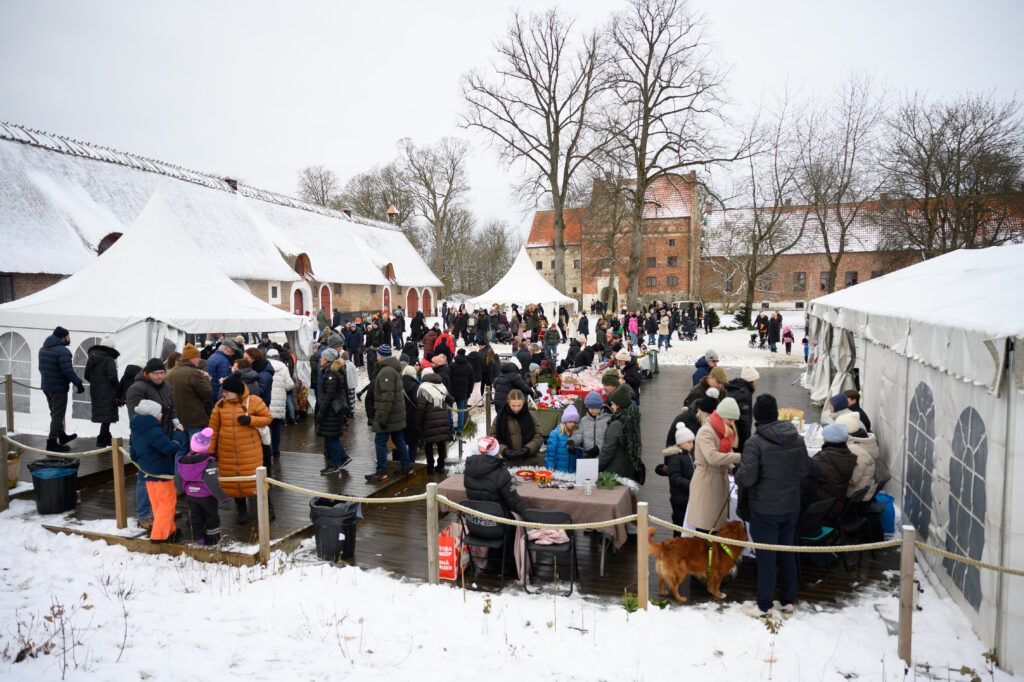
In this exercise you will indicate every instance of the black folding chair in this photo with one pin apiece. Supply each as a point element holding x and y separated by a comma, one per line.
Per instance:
<point>852,522</point>
<point>478,532</point>
<point>811,531</point>
<point>560,549</point>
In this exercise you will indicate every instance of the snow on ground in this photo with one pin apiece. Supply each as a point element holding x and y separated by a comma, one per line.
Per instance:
<point>137,616</point>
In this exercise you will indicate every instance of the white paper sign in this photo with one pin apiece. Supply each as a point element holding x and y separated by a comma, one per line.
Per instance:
<point>586,468</point>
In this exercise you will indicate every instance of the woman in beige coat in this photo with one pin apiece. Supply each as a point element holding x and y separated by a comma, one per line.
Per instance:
<point>708,509</point>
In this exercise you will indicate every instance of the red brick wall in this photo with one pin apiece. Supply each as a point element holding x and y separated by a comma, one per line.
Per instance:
<point>654,244</point>
<point>26,284</point>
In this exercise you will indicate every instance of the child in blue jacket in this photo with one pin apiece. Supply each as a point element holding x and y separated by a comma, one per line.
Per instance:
<point>562,452</point>
<point>154,453</point>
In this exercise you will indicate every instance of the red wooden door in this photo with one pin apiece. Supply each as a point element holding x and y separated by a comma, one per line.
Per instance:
<point>412,302</point>
<point>299,308</point>
<point>427,308</point>
<point>387,298</point>
<point>325,299</point>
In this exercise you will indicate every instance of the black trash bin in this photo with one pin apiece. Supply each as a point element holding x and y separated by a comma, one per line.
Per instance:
<point>334,527</point>
<point>55,481</point>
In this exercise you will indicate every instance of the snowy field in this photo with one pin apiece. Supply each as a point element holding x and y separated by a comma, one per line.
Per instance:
<point>106,614</point>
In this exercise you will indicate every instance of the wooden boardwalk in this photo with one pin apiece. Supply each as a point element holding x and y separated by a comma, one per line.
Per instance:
<point>393,536</point>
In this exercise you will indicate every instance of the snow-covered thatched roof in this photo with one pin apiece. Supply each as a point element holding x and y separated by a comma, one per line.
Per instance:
<point>59,198</point>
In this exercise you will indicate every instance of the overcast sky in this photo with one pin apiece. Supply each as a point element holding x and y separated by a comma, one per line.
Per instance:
<point>259,90</point>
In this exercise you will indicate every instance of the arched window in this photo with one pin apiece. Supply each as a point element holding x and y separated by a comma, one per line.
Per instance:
<point>967,503</point>
<point>297,305</point>
<point>302,265</point>
<point>917,489</point>
<point>387,299</point>
<point>16,360</point>
<point>81,404</point>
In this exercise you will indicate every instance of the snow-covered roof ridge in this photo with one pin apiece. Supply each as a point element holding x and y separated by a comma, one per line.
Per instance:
<point>67,145</point>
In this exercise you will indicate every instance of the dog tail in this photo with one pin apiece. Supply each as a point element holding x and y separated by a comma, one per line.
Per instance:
<point>653,547</point>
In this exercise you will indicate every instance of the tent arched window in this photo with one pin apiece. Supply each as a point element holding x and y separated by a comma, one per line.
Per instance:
<point>412,301</point>
<point>81,404</point>
<point>427,302</point>
<point>387,298</point>
<point>107,242</point>
<point>325,298</point>
<point>16,360</point>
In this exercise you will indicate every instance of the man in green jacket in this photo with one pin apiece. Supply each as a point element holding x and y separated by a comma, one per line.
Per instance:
<point>388,413</point>
<point>551,338</point>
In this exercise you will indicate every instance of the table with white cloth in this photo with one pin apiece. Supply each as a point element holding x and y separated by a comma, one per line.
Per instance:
<point>601,505</point>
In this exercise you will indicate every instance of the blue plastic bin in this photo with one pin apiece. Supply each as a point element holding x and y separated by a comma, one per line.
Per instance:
<point>889,515</point>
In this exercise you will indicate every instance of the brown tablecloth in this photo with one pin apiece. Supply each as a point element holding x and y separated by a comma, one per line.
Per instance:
<point>601,505</point>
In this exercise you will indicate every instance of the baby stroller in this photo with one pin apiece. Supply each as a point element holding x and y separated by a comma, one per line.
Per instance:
<point>502,334</point>
<point>688,332</point>
<point>754,343</point>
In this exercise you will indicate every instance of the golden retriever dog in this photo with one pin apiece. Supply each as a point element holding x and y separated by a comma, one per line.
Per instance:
<point>679,557</point>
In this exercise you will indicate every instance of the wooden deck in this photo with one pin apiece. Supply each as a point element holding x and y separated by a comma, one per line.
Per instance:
<point>393,536</point>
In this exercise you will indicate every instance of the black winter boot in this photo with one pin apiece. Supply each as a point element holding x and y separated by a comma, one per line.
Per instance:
<point>53,446</point>
<point>243,511</point>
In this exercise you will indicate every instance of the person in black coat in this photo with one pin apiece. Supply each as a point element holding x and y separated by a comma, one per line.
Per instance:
<point>679,468</point>
<point>508,380</point>
<point>583,327</point>
<point>487,479</point>
<point>462,380</point>
<point>774,331</point>
<point>101,373</point>
<point>418,327</point>
<point>585,358</point>
<point>478,366</point>
<point>411,349</point>
<point>432,413</point>
<point>630,370</point>
<point>570,355</point>
<point>332,411</point>
<point>410,385</point>
<point>742,390</point>
<point>525,358</point>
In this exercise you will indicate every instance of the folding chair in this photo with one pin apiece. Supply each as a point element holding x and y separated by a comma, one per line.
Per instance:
<point>556,550</point>
<point>480,532</point>
<point>852,522</point>
<point>811,532</point>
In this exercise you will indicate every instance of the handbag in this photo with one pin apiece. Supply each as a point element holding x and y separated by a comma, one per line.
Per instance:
<point>264,431</point>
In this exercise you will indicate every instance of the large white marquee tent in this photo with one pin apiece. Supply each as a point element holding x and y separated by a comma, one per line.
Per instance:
<point>148,290</point>
<point>522,284</point>
<point>942,376</point>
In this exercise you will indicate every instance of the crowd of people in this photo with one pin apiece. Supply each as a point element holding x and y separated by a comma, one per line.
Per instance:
<point>218,412</point>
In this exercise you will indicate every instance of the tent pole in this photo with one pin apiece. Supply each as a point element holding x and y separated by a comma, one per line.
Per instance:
<point>906,431</point>
<point>1000,642</point>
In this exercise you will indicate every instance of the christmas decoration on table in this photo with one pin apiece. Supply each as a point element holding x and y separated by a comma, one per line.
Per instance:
<point>559,479</point>
<point>553,402</point>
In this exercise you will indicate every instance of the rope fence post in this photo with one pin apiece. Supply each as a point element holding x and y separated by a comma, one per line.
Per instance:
<point>9,404</point>
<point>263,514</point>
<point>433,569</point>
<point>120,501</point>
<point>5,497</point>
<point>487,410</point>
<point>642,568</point>
<point>906,591</point>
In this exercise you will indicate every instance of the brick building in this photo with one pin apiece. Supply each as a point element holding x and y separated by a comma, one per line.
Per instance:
<point>63,202</point>
<point>596,255</point>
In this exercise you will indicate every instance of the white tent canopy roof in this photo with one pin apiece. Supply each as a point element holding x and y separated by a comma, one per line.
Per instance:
<point>155,271</point>
<point>522,284</point>
<point>952,312</point>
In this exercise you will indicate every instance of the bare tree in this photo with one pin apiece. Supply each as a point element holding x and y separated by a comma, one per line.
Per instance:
<point>539,108</point>
<point>668,99</point>
<point>438,183</point>
<point>485,258</point>
<point>956,171</point>
<point>606,229</point>
<point>318,185</point>
<point>372,192</point>
<point>839,172</point>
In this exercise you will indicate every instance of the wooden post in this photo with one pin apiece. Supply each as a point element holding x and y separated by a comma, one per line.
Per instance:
<point>9,405</point>
<point>433,570</point>
<point>487,410</point>
<point>5,498</point>
<point>120,501</point>
<point>263,514</point>
<point>906,591</point>
<point>641,555</point>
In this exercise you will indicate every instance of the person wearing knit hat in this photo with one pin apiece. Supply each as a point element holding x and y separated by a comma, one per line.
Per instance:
<point>610,380</point>
<point>771,472</point>
<point>582,339</point>
<point>384,350</point>
<point>191,389</point>
<point>704,365</point>
<point>425,364</point>
<point>621,397</point>
<point>593,400</point>
<point>750,374</point>
<point>622,356</point>
<point>196,476</point>
<point>487,479</point>
<point>620,452</point>
<point>563,444</point>
<point>728,409</point>
<point>864,446</point>
<point>851,420</point>
<point>233,385</point>
<point>327,356</point>
<point>836,463</point>
<point>439,360</point>
<point>189,352</point>
<point>593,424</point>
<point>155,453</point>
<point>57,373</point>
<point>766,409</point>
<point>154,365</point>
<point>678,467</point>
<point>273,353</point>
<point>715,379</point>
<point>240,340</point>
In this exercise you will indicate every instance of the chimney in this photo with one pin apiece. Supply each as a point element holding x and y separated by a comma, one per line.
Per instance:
<point>392,213</point>
<point>231,182</point>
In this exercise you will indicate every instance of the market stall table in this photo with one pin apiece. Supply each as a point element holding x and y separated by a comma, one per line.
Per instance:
<point>601,505</point>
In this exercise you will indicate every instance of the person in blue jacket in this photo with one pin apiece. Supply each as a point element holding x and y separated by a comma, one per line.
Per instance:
<point>57,374</point>
<point>562,447</point>
<point>704,365</point>
<point>218,366</point>
<point>155,453</point>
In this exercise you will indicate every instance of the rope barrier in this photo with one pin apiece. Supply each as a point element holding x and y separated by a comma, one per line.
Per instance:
<point>967,560</point>
<point>346,498</point>
<point>803,549</point>
<point>48,453</point>
<point>528,524</point>
<point>466,409</point>
<point>34,388</point>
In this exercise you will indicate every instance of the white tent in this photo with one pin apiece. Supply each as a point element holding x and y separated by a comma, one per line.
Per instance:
<point>522,284</point>
<point>942,376</point>
<point>148,290</point>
